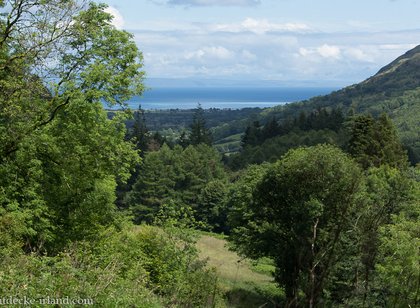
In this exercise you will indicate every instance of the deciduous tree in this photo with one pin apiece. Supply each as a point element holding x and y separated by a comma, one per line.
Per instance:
<point>60,156</point>
<point>300,208</point>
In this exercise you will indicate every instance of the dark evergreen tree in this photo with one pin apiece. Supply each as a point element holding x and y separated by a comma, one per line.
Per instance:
<point>375,142</point>
<point>181,177</point>
<point>270,129</point>
<point>159,139</point>
<point>336,119</point>
<point>391,151</point>
<point>184,140</point>
<point>252,135</point>
<point>139,133</point>
<point>361,144</point>
<point>199,132</point>
<point>302,121</point>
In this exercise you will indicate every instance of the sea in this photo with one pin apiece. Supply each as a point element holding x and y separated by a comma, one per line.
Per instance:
<point>222,97</point>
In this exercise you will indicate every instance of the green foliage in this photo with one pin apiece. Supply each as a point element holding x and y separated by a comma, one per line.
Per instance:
<point>139,133</point>
<point>319,119</point>
<point>375,142</point>
<point>240,282</point>
<point>354,279</point>
<point>239,200</point>
<point>252,135</point>
<point>272,149</point>
<point>199,132</point>
<point>398,266</point>
<point>336,236</point>
<point>222,122</point>
<point>60,156</point>
<point>189,178</point>
<point>172,214</point>
<point>90,155</point>
<point>394,90</point>
<point>155,183</point>
<point>269,142</point>
<point>143,266</point>
<point>299,210</point>
<point>212,209</point>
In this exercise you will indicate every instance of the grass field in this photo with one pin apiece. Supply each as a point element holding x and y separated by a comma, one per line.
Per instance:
<point>244,283</point>
<point>229,144</point>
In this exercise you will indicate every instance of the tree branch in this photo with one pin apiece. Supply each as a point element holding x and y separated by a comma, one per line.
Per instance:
<point>53,113</point>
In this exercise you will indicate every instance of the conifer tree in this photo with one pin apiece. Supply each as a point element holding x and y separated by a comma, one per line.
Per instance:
<point>375,142</point>
<point>252,135</point>
<point>139,132</point>
<point>199,132</point>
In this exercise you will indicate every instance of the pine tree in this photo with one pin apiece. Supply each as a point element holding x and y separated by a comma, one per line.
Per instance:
<point>140,133</point>
<point>252,135</point>
<point>184,140</point>
<point>199,132</point>
<point>375,142</point>
<point>271,129</point>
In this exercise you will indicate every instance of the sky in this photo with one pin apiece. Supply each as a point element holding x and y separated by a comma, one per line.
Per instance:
<point>300,42</point>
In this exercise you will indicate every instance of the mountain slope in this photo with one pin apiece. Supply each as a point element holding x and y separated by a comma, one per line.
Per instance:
<point>395,90</point>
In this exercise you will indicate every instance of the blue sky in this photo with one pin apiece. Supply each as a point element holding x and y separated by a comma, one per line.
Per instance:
<point>311,42</point>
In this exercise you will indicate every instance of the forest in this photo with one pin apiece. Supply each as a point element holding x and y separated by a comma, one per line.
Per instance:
<point>112,207</point>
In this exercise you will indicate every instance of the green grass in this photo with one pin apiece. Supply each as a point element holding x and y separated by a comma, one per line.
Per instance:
<point>244,283</point>
<point>231,138</point>
<point>229,144</point>
<point>263,266</point>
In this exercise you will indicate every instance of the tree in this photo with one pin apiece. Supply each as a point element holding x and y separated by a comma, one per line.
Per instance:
<point>398,266</point>
<point>375,142</point>
<point>252,135</point>
<point>387,190</point>
<point>184,177</point>
<point>139,132</point>
<point>270,129</point>
<point>199,132</point>
<point>354,280</point>
<point>212,209</point>
<point>240,213</point>
<point>60,156</point>
<point>184,140</point>
<point>155,184</point>
<point>299,210</point>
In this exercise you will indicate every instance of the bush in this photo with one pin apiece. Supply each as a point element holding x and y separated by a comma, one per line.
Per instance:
<point>144,265</point>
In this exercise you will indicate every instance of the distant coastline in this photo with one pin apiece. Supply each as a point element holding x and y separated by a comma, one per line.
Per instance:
<point>223,97</point>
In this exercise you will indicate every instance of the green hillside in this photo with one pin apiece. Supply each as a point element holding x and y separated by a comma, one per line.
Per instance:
<point>395,90</point>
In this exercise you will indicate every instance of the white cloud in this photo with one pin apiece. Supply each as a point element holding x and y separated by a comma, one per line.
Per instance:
<point>305,52</point>
<point>323,51</point>
<point>212,50</point>
<point>397,46</point>
<point>118,20</point>
<point>328,51</point>
<point>261,26</point>
<point>359,54</point>
<point>215,52</point>
<point>209,2</point>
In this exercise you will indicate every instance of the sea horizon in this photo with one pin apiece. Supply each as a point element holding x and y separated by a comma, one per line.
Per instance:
<point>161,98</point>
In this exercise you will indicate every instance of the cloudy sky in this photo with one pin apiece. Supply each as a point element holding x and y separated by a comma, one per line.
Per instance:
<point>319,42</point>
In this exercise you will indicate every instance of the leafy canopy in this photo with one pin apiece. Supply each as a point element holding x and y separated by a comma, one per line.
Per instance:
<point>296,213</point>
<point>60,155</point>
